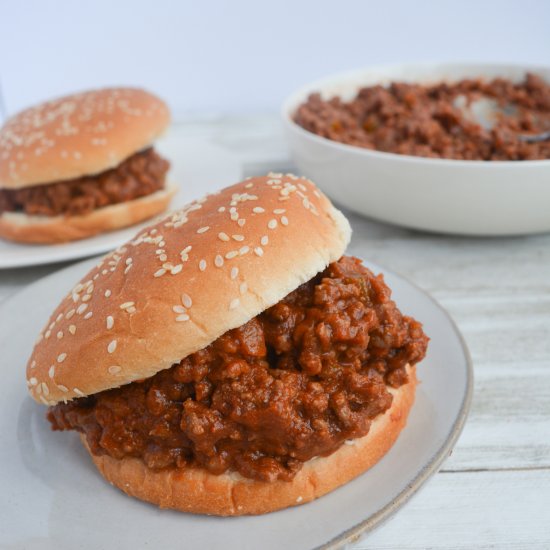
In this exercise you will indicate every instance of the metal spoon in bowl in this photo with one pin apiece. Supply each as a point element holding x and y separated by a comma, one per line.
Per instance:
<point>486,112</point>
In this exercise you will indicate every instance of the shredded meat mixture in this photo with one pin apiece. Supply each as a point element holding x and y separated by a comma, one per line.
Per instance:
<point>411,119</point>
<point>139,175</point>
<point>293,383</point>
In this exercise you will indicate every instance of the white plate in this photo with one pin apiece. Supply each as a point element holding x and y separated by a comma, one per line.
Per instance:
<point>53,497</point>
<point>198,167</point>
<point>450,196</point>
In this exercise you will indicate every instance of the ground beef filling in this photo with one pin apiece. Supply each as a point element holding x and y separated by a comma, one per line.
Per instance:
<point>424,121</point>
<point>293,383</point>
<point>137,176</point>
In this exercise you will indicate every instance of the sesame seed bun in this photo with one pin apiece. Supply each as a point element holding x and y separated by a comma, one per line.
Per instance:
<point>78,135</point>
<point>197,491</point>
<point>183,282</point>
<point>20,227</point>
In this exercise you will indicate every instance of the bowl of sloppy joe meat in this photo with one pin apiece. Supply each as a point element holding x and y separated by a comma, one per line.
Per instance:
<point>449,148</point>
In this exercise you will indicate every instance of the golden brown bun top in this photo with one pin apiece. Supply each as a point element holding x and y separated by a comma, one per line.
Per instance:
<point>184,281</point>
<point>78,135</point>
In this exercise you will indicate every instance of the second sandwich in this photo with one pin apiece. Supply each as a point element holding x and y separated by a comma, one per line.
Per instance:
<point>81,165</point>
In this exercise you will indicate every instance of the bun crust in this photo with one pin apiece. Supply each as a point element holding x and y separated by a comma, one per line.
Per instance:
<point>183,282</point>
<point>20,227</point>
<point>197,491</point>
<point>78,135</point>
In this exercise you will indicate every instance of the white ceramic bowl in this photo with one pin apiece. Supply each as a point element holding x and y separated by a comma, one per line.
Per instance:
<point>448,196</point>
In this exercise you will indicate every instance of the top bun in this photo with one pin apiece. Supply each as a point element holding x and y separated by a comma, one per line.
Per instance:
<point>78,135</point>
<point>184,281</point>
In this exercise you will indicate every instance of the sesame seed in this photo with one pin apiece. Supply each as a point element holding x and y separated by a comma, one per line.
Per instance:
<point>243,288</point>
<point>33,381</point>
<point>244,250</point>
<point>264,240</point>
<point>131,309</point>
<point>78,392</point>
<point>47,335</point>
<point>234,303</point>
<point>64,389</point>
<point>107,293</point>
<point>51,371</point>
<point>126,305</point>
<point>112,346</point>
<point>202,265</point>
<point>249,185</point>
<point>299,499</point>
<point>221,209</point>
<point>234,216</point>
<point>203,229</point>
<point>69,314</point>
<point>86,297</point>
<point>239,238</point>
<point>186,300</point>
<point>223,236</point>
<point>178,309</point>
<point>82,308</point>
<point>163,257</point>
<point>115,369</point>
<point>232,210</point>
<point>183,317</point>
<point>259,251</point>
<point>272,224</point>
<point>279,211</point>
<point>258,210</point>
<point>241,222</point>
<point>61,357</point>
<point>160,272</point>
<point>218,261</point>
<point>45,389</point>
<point>59,317</point>
<point>284,220</point>
<point>128,261</point>
<point>43,399</point>
<point>176,269</point>
<point>33,364</point>
<point>231,254</point>
<point>234,272</point>
<point>88,315</point>
<point>302,187</point>
<point>60,335</point>
<point>72,329</point>
<point>128,267</point>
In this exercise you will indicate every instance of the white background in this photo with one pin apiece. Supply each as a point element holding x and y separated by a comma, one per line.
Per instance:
<point>207,56</point>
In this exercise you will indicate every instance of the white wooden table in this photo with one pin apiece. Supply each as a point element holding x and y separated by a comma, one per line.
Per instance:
<point>494,491</point>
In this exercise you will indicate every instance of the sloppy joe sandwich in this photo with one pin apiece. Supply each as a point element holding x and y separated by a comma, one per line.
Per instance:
<point>81,165</point>
<point>230,359</point>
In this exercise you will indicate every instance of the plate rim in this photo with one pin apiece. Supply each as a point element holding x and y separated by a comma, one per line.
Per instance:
<point>427,470</point>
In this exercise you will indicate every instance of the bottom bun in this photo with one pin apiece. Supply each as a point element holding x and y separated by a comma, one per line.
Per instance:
<point>197,491</point>
<point>23,228</point>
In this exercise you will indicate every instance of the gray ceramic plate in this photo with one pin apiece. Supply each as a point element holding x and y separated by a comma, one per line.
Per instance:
<point>52,496</point>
